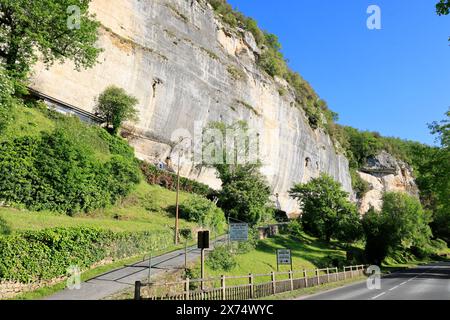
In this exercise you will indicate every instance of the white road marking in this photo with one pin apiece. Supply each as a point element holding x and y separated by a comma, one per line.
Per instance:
<point>393,288</point>
<point>378,295</point>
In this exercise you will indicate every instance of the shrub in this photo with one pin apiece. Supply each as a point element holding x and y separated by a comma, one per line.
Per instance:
<point>168,180</point>
<point>43,255</point>
<point>54,172</point>
<point>221,259</point>
<point>204,212</point>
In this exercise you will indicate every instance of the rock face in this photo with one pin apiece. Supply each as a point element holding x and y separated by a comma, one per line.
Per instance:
<point>384,173</point>
<point>185,66</point>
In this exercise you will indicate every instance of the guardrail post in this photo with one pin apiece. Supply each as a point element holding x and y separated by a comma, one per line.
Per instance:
<point>305,275</point>
<point>337,274</point>
<point>223,286</point>
<point>351,271</point>
<point>137,290</point>
<point>328,274</point>
<point>318,277</point>
<point>274,284</point>
<point>186,289</point>
<point>345,273</point>
<point>252,288</point>
<point>291,278</point>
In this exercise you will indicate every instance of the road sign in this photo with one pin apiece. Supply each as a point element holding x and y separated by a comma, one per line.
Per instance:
<point>284,257</point>
<point>239,232</point>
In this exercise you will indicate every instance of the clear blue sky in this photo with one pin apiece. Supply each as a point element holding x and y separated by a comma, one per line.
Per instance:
<point>394,80</point>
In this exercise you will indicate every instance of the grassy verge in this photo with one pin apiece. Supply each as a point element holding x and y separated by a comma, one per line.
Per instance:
<point>313,290</point>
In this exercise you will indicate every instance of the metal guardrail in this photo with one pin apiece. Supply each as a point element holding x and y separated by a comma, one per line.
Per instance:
<point>252,286</point>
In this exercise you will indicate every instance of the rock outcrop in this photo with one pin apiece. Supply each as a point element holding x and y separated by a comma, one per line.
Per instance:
<point>184,66</point>
<point>384,173</point>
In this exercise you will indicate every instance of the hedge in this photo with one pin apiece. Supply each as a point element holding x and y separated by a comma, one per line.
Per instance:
<point>168,180</point>
<point>44,255</point>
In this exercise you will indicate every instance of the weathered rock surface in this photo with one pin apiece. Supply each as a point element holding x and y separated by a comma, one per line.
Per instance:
<point>175,57</point>
<point>384,173</point>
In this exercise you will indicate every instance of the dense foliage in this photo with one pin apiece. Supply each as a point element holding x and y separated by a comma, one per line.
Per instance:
<point>74,168</point>
<point>402,225</point>
<point>43,255</point>
<point>327,212</point>
<point>168,180</point>
<point>204,212</point>
<point>116,107</point>
<point>221,258</point>
<point>41,29</point>
<point>443,7</point>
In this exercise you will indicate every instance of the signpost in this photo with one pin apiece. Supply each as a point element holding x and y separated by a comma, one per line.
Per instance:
<point>284,257</point>
<point>238,232</point>
<point>203,243</point>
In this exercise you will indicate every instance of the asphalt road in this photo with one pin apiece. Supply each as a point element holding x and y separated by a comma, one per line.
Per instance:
<point>429,282</point>
<point>124,278</point>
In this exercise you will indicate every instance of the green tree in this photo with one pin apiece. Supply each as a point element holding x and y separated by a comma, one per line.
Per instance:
<point>327,212</point>
<point>48,29</point>
<point>439,181</point>
<point>116,107</point>
<point>245,193</point>
<point>402,225</point>
<point>443,7</point>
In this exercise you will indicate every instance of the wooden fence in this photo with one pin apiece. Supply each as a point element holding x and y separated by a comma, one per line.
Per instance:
<point>243,287</point>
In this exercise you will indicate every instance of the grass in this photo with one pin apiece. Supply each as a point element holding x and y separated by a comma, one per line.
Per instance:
<point>145,209</point>
<point>307,253</point>
<point>313,290</point>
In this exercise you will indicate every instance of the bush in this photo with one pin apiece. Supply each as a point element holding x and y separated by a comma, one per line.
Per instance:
<point>221,259</point>
<point>204,212</point>
<point>57,173</point>
<point>43,255</point>
<point>295,228</point>
<point>168,180</point>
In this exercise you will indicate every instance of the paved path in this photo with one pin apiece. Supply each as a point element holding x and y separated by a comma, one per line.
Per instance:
<point>120,279</point>
<point>430,282</point>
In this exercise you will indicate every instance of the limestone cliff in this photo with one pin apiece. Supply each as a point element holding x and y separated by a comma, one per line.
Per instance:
<point>384,173</point>
<point>184,66</point>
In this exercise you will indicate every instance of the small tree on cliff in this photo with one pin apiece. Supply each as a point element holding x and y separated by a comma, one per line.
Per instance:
<point>116,107</point>
<point>327,212</point>
<point>53,29</point>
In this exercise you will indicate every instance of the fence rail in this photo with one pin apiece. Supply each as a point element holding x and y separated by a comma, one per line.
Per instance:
<point>250,288</point>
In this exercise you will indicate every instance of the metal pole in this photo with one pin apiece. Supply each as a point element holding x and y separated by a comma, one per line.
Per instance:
<point>185,255</point>
<point>203,268</point>
<point>177,201</point>
<point>150,268</point>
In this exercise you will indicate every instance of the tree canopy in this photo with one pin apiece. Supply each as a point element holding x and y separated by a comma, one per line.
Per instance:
<point>116,107</point>
<point>51,30</point>
<point>327,212</point>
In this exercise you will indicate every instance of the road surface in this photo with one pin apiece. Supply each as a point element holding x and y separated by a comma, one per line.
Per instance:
<point>124,278</point>
<point>429,282</point>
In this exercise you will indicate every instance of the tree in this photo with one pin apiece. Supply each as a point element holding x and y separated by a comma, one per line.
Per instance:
<point>439,166</point>
<point>443,7</point>
<point>402,225</point>
<point>245,193</point>
<point>53,30</point>
<point>327,212</point>
<point>116,107</point>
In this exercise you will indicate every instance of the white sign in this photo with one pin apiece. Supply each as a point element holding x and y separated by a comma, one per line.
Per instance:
<point>238,231</point>
<point>284,256</point>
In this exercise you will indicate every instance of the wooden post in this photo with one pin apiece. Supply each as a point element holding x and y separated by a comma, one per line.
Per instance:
<point>305,275</point>
<point>274,284</point>
<point>318,277</point>
<point>177,202</point>
<point>328,274</point>
<point>345,273</point>
<point>185,255</point>
<point>223,286</point>
<point>149,268</point>
<point>186,289</point>
<point>351,271</point>
<point>137,290</point>
<point>291,278</point>
<point>252,288</point>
